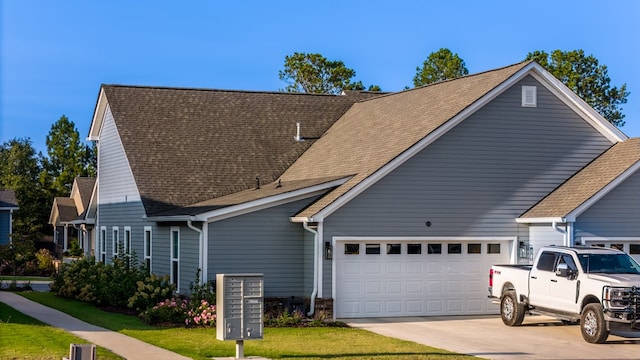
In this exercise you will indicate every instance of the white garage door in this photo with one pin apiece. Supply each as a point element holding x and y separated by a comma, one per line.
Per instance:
<point>415,278</point>
<point>631,247</point>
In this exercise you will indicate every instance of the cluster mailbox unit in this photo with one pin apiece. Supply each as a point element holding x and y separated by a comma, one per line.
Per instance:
<point>239,308</point>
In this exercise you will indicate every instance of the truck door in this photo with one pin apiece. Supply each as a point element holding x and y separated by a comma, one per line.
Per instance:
<point>563,288</point>
<point>540,279</point>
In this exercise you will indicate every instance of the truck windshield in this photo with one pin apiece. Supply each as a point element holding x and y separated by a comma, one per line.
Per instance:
<point>609,263</point>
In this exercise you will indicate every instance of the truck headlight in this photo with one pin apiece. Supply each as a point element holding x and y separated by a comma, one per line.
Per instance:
<point>617,298</point>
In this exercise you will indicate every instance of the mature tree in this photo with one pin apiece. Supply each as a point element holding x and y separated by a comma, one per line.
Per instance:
<point>313,73</point>
<point>588,79</point>
<point>440,65</point>
<point>19,171</point>
<point>359,86</point>
<point>68,158</point>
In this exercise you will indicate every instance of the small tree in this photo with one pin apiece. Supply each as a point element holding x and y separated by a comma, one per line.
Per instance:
<point>313,73</point>
<point>440,65</point>
<point>588,79</point>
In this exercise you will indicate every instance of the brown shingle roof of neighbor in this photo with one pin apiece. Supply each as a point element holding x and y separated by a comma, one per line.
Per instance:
<point>189,145</point>
<point>66,209</point>
<point>374,132</point>
<point>587,182</point>
<point>85,188</point>
<point>8,199</point>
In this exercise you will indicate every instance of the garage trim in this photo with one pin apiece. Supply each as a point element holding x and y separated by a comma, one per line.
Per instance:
<point>512,240</point>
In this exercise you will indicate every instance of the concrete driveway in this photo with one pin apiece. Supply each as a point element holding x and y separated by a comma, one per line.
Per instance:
<point>487,337</point>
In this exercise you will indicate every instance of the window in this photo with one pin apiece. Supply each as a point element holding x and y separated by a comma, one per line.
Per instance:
<point>618,247</point>
<point>115,241</point>
<point>103,244</point>
<point>351,249</point>
<point>394,249</point>
<point>454,248</point>
<point>175,257</point>
<point>414,249</point>
<point>127,240</point>
<point>434,249</point>
<point>634,249</point>
<point>474,249</point>
<point>147,247</point>
<point>547,261</point>
<point>493,248</point>
<point>372,249</point>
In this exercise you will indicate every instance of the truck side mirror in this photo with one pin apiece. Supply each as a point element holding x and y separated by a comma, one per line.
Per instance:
<point>562,270</point>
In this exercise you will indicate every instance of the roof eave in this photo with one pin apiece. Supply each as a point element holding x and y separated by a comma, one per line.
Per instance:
<point>98,116</point>
<point>541,220</point>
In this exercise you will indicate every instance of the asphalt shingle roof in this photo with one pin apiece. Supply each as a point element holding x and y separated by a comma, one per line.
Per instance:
<point>66,209</point>
<point>374,132</point>
<point>185,146</point>
<point>588,181</point>
<point>8,199</point>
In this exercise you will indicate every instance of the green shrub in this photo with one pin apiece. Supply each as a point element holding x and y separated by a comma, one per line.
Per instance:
<point>150,292</point>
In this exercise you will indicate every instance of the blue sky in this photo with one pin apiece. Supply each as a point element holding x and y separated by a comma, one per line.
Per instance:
<point>55,54</point>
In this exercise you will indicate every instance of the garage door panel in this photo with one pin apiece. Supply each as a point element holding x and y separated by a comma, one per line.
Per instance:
<point>378,285</point>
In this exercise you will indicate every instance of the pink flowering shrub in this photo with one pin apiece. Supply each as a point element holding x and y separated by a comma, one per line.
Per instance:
<point>168,312</point>
<point>177,312</point>
<point>202,315</point>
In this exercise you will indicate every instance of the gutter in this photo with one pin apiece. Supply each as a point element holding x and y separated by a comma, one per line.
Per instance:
<point>314,293</point>
<point>201,248</point>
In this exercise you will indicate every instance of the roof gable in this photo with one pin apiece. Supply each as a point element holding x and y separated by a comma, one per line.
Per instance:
<point>588,185</point>
<point>377,135</point>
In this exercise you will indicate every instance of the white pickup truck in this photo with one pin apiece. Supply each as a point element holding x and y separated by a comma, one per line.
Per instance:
<point>597,287</point>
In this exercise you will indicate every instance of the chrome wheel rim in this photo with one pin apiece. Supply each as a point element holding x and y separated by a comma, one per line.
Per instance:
<point>508,308</point>
<point>590,323</point>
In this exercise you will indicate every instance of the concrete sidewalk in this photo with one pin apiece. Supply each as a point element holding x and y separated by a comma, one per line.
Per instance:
<point>125,346</point>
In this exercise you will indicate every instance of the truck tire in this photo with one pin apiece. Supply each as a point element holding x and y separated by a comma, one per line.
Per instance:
<point>592,324</point>
<point>511,311</point>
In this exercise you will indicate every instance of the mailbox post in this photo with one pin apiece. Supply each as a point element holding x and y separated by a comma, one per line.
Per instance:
<point>239,308</point>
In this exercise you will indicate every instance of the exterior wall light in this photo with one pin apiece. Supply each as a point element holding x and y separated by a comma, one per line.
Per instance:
<point>328,250</point>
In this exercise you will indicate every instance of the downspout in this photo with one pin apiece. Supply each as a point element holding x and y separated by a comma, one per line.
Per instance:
<point>563,231</point>
<point>314,293</point>
<point>200,246</point>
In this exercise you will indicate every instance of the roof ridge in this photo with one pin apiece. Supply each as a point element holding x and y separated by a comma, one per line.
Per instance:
<point>179,88</point>
<point>404,91</point>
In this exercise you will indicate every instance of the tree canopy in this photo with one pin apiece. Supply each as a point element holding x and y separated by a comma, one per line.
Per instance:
<point>20,168</point>
<point>313,73</point>
<point>68,157</point>
<point>588,79</point>
<point>440,65</point>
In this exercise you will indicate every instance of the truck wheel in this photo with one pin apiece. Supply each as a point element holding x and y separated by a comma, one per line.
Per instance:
<point>511,312</point>
<point>592,324</point>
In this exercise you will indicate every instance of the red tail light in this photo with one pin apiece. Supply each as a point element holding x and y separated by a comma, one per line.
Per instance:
<point>490,277</point>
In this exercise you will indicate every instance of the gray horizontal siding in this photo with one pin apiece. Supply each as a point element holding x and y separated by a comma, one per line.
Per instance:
<point>615,215</point>
<point>121,215</point>
<point>263,242</point>
<point>477,178</point>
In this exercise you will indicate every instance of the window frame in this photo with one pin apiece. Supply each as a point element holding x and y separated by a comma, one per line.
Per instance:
<point>103,244</point>
<point>174,270</point>
<point>127,240</point>
<point>148,246</point>
<point>115,240</point>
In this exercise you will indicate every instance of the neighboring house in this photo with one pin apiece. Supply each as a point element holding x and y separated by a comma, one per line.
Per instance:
<point>71,219</point>
<point>394,205</point>
<point>8,204</point>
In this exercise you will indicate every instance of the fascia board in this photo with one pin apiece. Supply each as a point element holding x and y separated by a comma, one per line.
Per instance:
<point>426,141</point>
<point>540,220</point>
<point>573,215</point>
<point>578,105</point>
<point>98,116</point>
<point>424,238</point>
<point>252,206</point>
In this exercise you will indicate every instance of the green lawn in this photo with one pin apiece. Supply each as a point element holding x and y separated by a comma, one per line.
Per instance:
<point>278,343</point>
<point>23,337</point>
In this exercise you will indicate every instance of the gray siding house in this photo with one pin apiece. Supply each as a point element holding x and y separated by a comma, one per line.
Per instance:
<point>373,204</point>
<point>8,204</point>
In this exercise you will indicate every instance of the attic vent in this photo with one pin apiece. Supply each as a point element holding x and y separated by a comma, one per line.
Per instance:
<point>529,96</point>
